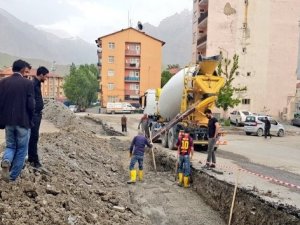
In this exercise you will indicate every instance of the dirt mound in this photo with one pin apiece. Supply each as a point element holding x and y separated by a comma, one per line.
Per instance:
<point>82,181</point>
<point>58,114</point>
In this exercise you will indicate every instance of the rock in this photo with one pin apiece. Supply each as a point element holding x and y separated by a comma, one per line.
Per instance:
<point>119,208</point>
<point>88,181</point>
<point>114,201</point>
<point>4,196</point>
<point>104,198</point>
<point>51,190</point>
<point>114,169</point>
<point>100,192</point>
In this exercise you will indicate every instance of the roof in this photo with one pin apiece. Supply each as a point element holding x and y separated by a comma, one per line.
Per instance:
<point>8,71</point>
<point>130,28</point>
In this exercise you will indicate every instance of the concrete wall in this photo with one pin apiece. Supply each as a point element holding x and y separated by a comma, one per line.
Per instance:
<point>267,49</point>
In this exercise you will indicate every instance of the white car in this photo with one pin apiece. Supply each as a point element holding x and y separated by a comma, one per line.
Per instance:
<point>73,108</point>
<point>239,117</point>
<point>256,125</point>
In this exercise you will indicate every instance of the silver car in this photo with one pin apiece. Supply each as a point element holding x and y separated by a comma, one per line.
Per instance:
<point>256,125</point>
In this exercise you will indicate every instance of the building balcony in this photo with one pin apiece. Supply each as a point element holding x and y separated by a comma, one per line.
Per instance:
<point>132,53</point>
<point>132,79</point>
<point>202,40</point>
<point>132,94</point>
<point>202,17</point>
<point>132,65</point>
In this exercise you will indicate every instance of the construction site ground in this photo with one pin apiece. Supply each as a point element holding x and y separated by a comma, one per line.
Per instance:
<point>86,159</point>
<point>267,168</point>
<point>84,181</point>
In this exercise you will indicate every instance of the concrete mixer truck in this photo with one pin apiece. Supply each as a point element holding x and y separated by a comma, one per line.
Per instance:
<point>181,103</point>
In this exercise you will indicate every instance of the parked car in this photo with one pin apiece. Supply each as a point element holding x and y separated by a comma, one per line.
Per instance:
<point>239,117</point>
<point>256,125</point>
<point>73,108</point>
<point>296,120</point>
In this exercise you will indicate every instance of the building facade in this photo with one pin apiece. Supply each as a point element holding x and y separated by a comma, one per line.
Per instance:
<point>130,62</point>
<point>52,88</point>
<point>265,35</point>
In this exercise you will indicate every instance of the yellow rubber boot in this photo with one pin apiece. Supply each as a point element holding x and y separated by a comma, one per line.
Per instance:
<point>186,183</point>
<point>180,179</point>
<point>141,175</point>
<point>132,177</point>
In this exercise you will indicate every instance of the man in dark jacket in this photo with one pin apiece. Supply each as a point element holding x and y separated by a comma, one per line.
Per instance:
<point>136,153</point>
<point>16,111</point>
<point>41,76</point>
<point>267,127</point>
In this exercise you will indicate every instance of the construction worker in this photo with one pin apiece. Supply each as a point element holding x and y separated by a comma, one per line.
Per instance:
<point>144,123</point>
<point>136,153</point>
<point>124,123</point>
<point>185,150</point>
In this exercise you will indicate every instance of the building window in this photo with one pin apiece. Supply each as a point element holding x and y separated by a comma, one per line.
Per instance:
<point>110,73</point>
<point>111,86</point>
<point>237,73</point>
<point>134,87</point>
<point>111,45</point>
<point>112,98</point>
<point>246,101</point>
<point>244,50</point>
<point>248,74</point>
<point>111,59</point>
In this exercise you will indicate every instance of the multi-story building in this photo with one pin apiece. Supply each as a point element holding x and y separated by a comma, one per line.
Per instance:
<point>130,62</point>
<point>265,35</point>
<point>51,88</point>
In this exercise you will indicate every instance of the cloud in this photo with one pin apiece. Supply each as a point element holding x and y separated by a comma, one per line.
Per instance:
<point>90,19</point>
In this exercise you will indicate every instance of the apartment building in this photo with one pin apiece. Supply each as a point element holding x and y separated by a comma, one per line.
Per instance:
<point>265,35</point>
<point>130,62</point>
<point>51,88</point>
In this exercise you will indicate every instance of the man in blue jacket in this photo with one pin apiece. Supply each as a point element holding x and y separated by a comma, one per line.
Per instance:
<point>136,152</point>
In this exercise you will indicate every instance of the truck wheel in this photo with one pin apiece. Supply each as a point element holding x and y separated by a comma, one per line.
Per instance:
<point>164,139</point>
<point>171,139</point>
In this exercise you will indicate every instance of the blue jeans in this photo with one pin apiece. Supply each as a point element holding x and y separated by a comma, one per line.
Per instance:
<point>17,139</point>
<point>134,159</point>
<point>184,165</point>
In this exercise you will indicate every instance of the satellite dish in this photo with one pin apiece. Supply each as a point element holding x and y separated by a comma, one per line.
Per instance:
<point>140,25</point>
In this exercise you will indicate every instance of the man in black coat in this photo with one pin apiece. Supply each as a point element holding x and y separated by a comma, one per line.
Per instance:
<point>41,76</point>
<point>16,111</point>
<point>267,127</point>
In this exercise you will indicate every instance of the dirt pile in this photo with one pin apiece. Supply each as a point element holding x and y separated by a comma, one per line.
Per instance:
<point>82,182</point>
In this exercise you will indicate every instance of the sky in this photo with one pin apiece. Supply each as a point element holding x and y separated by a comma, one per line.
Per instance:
<point>90,19</point>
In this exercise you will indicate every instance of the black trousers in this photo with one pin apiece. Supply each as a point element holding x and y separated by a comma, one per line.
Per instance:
<point>124,128</point>
<point>267,132</point>
<point>34,138</point>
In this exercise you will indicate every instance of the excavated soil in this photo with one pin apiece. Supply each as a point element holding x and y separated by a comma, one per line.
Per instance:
<point>81,183</point>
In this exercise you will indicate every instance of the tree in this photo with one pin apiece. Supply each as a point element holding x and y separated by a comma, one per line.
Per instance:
<point>81,85</point>
<point>165,77</point>
<point>226,95</point>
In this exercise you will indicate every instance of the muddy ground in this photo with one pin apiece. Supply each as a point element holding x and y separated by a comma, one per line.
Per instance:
<point>84,182</point>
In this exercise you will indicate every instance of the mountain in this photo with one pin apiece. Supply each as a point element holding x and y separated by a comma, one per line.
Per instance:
<point>176,31</point>
<point>24,40</point>
<point>6,60</point>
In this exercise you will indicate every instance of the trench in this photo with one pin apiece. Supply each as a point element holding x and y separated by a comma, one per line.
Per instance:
<point>249,208</point>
